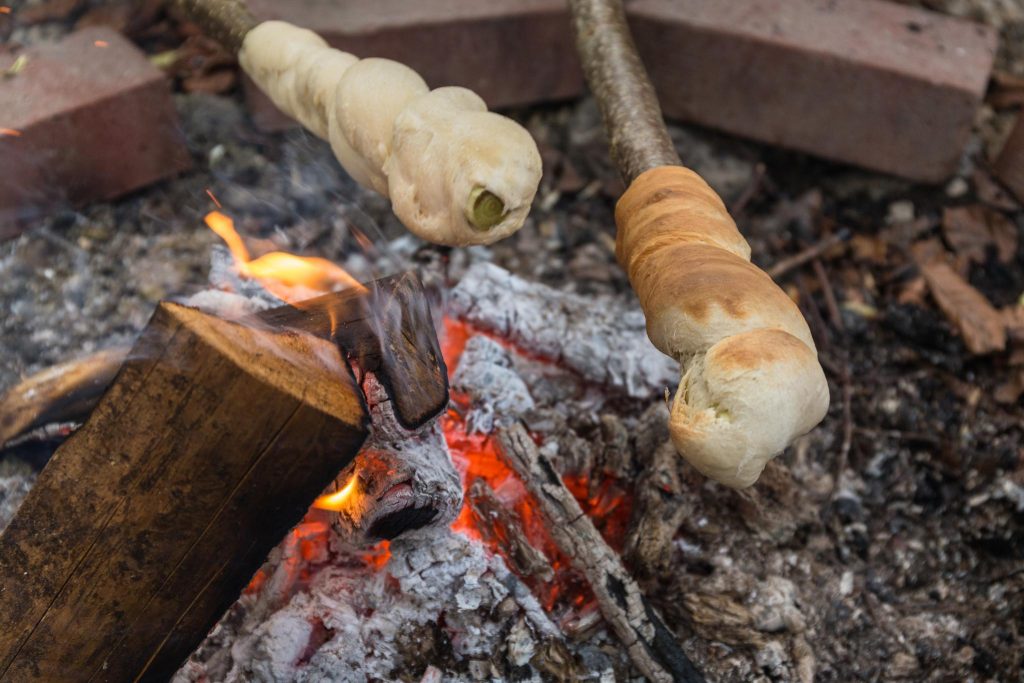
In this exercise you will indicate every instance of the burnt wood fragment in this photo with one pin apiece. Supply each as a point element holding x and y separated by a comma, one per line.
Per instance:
<point>387,329</point>
<point>211,443</point>
<point>651,646</point>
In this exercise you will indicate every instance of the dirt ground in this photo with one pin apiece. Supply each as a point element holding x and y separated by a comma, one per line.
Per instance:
<point>889,542</point>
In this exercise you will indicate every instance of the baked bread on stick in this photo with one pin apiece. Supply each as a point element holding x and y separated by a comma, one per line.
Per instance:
<point>455,173</point>
<point>751,382</point>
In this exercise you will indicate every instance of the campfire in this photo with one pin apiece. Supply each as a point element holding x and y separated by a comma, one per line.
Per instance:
<point>322,364</point>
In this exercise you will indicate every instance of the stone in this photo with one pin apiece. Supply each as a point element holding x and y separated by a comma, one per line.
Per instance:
<point>85,119</point>
<point>884,86</point>
<point>510,52</point>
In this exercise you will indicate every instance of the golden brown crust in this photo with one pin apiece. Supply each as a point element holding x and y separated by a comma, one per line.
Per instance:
<point>751,380</point>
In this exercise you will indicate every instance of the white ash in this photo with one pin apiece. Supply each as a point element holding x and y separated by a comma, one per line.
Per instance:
<point>397,469</point>
<point>498,395</point>
<point>14,486</point>
<point>357,623</point>
<point>601,338</point>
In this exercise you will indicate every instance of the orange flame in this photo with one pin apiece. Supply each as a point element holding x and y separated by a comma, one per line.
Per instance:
<point>336,501</point>
<point>280,271</point>
<point>100,43</point>
<point>10,132</point>
<point>4,9</point>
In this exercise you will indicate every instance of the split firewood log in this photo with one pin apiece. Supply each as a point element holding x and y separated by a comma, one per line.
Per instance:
<point>455,173</point>
<point>751,381</point>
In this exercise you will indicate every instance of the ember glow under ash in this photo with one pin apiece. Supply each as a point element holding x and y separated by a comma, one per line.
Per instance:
<point>476,457</point>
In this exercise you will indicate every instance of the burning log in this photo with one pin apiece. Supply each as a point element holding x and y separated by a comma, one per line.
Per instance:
<point>385,327</point>
<point>651,646</point>
<point>402,479</point>
<point>455,173</point>
<point>603,340</point>
<point>751,380</point>
<point>210,444</point>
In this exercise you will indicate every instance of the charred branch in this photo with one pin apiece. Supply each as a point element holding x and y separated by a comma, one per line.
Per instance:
<point>651,646</point>
<point>63,393</point>
<point>402,479</point>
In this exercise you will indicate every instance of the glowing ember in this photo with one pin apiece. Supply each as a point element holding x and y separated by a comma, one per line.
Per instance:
<point>289,277</point>
<point>10,132</point>
<point>100,43</point>
<point>336,501</point>
<point>476,457</point>
<point>4,9</point>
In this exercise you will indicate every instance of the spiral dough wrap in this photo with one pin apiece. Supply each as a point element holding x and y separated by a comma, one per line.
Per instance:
<point>751,381</point>
<point>432,152</point>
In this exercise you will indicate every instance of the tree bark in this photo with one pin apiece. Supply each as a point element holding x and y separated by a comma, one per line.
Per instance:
<point>147,524</point>
<point>226,21</point>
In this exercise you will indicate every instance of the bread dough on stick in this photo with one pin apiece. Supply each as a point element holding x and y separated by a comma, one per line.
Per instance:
<point>751,381</point>
<point>456,174</point>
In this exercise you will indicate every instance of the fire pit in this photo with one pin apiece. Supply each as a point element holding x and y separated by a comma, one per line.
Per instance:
<point>248,397</point>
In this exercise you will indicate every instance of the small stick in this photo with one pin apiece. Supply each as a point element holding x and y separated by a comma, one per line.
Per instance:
<point>651,645</point>
<point>810,253</point>
<point>226,21</point>
<point>831,304</point>
<point>632,117</point>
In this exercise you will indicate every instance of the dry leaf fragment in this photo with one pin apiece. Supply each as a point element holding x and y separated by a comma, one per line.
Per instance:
<point>982,326</point>
<point>972,230</point>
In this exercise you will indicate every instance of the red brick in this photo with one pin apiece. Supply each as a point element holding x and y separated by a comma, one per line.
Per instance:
<point>1009,167</point>
<point>510,52</point>
<point>879,85</point>
<point>95,120</point>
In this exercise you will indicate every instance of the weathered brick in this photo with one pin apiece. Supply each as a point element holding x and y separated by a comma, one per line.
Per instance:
<point>871,83</point>
<point>87,118</point>
<point>1009,167</point>
<point>510,52</point>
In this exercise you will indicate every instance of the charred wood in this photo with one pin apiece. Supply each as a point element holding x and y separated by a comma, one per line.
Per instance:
<point>62,393</point>
<point>402,479</point>
<point>651,645</point>
<point>501,527</point>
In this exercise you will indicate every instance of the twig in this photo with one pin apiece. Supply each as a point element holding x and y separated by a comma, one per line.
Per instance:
<point>812,252</point>
<point>632,117</point>
<point>830,296</point>
<point>651,646</point>
<point>750,191</point>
